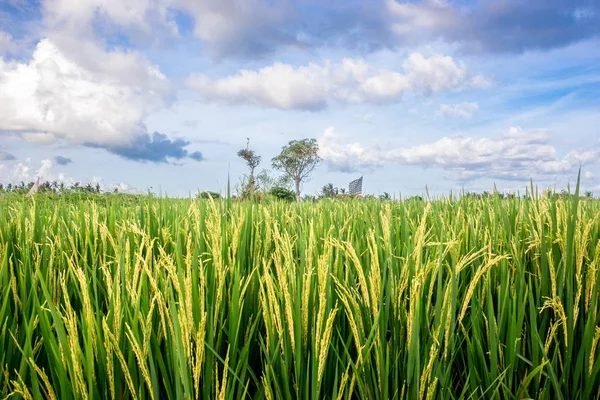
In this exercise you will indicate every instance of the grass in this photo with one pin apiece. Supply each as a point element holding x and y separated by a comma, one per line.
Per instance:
<point>164,298</point>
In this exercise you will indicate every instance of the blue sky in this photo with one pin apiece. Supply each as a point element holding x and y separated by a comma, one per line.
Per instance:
<point>161,94</point>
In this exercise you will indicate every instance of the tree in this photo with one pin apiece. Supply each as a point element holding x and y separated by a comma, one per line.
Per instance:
<point>282,193</point>
<point>385,196</point>
<point>265,181</point>
<point>208,194</point>
<point>262,184</point>
<point>298,160</point>
<point>329,191</point>
<point>252,160</point>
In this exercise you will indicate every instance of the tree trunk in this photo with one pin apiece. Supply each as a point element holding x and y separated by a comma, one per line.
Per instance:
<point>251,183</point>
<point>297,181</point>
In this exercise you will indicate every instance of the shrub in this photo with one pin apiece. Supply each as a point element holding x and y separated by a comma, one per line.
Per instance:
<point>282,193</point>
<point>208,194</point>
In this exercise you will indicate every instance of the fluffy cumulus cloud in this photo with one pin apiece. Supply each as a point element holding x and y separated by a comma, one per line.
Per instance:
<point>26,172</point>
<point>53,97</point>
<point>313,86</point>
<point>517,155</point>
<point>460,110</point>
<point>347,157</point>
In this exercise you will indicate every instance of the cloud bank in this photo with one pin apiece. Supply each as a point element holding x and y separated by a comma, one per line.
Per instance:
<point>517,155</point>
<point>25,172</point>
<point>352,81</point>
<point>255,28</point>
<point>52,97</point>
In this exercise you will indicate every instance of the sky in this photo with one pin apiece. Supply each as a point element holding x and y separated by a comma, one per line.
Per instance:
<point>432,95</point>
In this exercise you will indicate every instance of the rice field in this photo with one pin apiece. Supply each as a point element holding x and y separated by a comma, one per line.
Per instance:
<point>471,298</point>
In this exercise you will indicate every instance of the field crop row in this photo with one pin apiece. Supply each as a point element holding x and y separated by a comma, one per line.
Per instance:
<point>167,298</point>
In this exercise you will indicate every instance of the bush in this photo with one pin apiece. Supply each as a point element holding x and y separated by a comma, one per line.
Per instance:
<point>208,194</point>
<point>282,193</point>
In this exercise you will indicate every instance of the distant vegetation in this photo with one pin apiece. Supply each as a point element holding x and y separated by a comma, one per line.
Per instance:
<point>54,187</point>
<point>266,187</point>
<point>297,161</point>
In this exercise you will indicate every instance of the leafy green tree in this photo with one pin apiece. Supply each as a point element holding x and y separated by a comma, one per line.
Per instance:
<point>329,191</point>
<point>208,194</point>
<point>282,193</point>
<point>385,196</point>
<point>265,181</point>
<point>298,160</point>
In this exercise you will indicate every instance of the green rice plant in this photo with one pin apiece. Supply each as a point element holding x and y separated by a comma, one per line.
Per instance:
<point>457,297</point>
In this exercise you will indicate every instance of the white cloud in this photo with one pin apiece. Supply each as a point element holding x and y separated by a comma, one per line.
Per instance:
<point>44,171</point>
<point>517,155</point>
<point>417,21</point>
<point>313,86</point>
<point>252,28</point>
<point>347,157</point>
<point>460,110</point>
<point>109,187</point>
<point>483,26</point>
<point>215,20</point>
<point>79,16</point>
<point>38,137</point>
<point>20,172</point>
<point>226,26</point>
<point>52,96</point>
<point>67,180</point>
<point>26,172</point>
<point>223,23</point>
<point>434,74</point>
